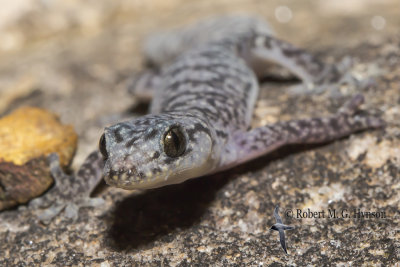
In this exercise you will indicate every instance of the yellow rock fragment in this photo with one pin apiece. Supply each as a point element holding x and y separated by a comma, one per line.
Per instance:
<point>28,133</point>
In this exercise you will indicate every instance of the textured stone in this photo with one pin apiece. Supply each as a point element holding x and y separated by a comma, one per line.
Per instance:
<point>27,136</point>
<point>224,219</point>
<point>21,183</point>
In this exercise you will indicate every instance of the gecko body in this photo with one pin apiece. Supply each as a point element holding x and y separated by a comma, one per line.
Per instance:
<point>202,106</point>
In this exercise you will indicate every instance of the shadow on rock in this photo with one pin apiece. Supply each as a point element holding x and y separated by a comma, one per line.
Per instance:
<point>143,218</point>
<point>153,215</point>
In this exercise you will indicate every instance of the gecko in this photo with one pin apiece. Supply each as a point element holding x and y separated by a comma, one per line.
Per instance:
<point>204,85</point>
<point>203,101</point>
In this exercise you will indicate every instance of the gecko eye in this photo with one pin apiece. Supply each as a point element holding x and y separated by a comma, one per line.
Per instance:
<point>174,142</point>
<point>102,146</point>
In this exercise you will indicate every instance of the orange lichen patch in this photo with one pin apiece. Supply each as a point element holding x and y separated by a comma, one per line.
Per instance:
<point>29,132</point>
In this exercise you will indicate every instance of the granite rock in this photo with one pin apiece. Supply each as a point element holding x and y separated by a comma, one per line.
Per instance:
<point>79,71</point>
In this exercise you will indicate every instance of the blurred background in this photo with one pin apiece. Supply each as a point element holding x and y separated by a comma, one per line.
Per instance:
<point>28,23</point>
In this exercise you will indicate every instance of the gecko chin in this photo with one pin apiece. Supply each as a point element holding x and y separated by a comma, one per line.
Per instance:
<point>156,150</point>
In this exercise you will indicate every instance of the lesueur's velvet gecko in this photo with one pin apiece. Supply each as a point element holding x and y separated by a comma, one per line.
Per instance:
<point>203,101</point>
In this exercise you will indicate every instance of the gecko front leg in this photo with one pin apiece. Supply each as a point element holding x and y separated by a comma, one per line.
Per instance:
<point>70,192</point>
<point>260,141</point>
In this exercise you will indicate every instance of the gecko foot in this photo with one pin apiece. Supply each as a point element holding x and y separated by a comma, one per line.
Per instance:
<point>350,109</point>
<point>68,194</point>
<point>332,80</point>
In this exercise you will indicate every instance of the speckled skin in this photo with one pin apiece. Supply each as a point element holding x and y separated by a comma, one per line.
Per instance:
<point>70,191</point>
<point>209,92</point>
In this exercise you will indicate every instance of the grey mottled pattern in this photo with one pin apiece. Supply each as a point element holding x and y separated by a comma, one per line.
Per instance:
<point>135,155</point>
<point>214,83</point>
<point>208,92</point>
<point>70,192</point>
<point>261,140</point>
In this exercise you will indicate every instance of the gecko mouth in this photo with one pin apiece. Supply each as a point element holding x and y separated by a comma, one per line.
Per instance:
<point>131,179</point>
<point>124,178</point>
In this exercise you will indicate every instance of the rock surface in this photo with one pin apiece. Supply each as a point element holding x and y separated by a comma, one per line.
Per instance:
<point>74,59</point>
<point>27,136</point>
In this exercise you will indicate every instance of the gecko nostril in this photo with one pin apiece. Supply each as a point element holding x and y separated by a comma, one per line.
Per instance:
<point>102,147</point>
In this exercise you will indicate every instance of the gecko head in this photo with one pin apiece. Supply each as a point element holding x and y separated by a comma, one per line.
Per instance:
<point>156,150</point>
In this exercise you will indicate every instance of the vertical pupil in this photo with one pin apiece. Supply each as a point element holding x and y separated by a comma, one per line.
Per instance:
<point>175,139</point>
